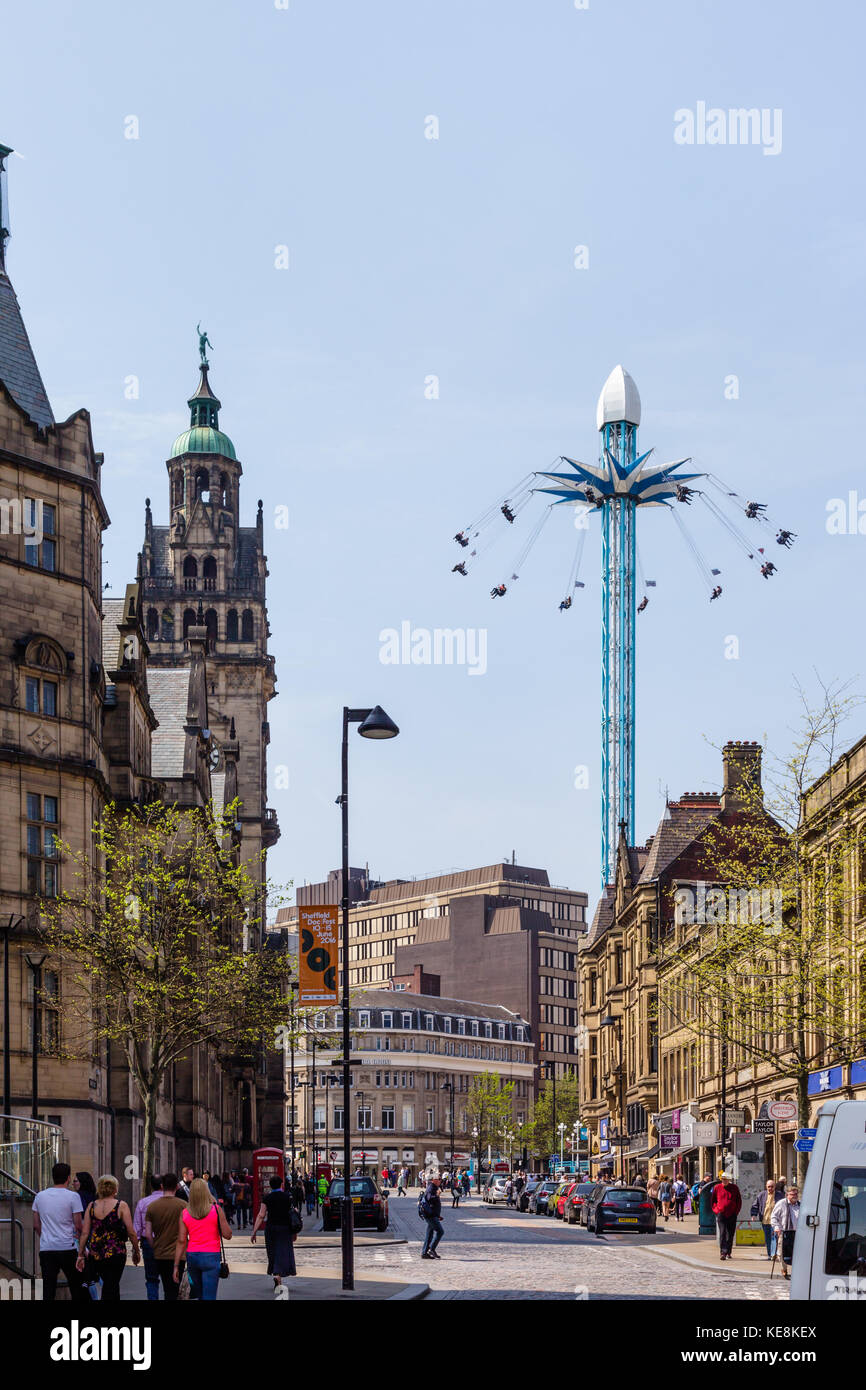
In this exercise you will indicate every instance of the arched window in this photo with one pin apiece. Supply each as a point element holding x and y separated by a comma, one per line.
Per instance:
<point>232,625</point>
<point>209,571</point>
<point>247,625</point>
<point>167,625</point>
<point>152,625</point>
<point>211,622</point>
<point>202,485</point>
<point>224,489</point>
<point>190,572</point>
<point>189,620</point>
<point>178,489</point>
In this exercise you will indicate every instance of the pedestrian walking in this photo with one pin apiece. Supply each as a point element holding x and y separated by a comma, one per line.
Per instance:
<point>652,1191</point>
<point>784,1220</point>
<point>57,1220</point>
<point>402,1181</point>
<point>727,1201</point>
<point>767,1204</point>
<point>310,1193</point>
<point>509,1193</point>
<point>201,1230</point>
<point>243,1198</point>
<point>640,1181</point>
<point>467,1183</point>
<point>282,1222</point>
<point>186,1177</point>
<point>151,1273</point>
<point>323,1188</point>
<point>228,1197</point>
<point>430,1208</point>
<point>681,1192</point>
<point>456,1190</point>
<point>666,1193</point>
<point>106,1228</point>
<point>161,1225</point>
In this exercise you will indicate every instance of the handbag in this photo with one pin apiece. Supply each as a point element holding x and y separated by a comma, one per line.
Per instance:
<point>296,1222</point>
<point>224,1268</point>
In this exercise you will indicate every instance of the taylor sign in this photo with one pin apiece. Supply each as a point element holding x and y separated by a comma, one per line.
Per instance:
<point>782,1110</point>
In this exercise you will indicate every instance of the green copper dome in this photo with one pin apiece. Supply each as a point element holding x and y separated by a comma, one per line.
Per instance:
<point>203,439</point>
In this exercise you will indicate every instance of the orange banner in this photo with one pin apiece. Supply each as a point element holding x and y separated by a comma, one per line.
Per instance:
<point>318,957</point>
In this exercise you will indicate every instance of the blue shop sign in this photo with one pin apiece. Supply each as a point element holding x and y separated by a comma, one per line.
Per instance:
<point>858,1072</point>
<point>603,1140</point>
<point>828,1079</point>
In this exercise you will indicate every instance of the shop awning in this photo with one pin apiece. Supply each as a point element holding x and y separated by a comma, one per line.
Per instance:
<point>663,1155</point>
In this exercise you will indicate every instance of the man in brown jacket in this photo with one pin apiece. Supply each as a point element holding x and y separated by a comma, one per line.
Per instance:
<point>161,1223</point>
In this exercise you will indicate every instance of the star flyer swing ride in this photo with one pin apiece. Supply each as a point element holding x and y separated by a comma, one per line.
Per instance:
<point>617,486</point>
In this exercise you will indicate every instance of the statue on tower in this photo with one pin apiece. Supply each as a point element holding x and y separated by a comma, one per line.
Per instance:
<point>203,342</point>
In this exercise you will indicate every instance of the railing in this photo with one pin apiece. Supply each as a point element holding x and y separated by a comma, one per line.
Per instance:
<point>18,1243</point>
<point>29,1149</point>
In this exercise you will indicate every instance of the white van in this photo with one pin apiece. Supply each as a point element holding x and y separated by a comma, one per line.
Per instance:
<point>830,1245</point>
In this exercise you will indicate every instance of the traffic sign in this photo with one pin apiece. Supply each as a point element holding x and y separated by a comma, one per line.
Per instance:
<point>806,1133</point>
<point>804,1146</point>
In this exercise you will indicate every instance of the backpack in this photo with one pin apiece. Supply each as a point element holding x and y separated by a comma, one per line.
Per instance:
<point>423,1209</point>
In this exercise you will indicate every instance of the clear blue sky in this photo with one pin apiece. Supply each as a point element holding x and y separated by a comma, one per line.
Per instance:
<point>408,257</point>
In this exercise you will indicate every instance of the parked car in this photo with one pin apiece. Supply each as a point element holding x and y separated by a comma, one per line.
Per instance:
<point>369,1202</point>
<point>574,1202</point>
<point>611,1208</point>
<point>525,1199</point>
<point>538,1201</point>
<point>495,1189</point>
<point>562,1197</point>
<point>555,1195</point>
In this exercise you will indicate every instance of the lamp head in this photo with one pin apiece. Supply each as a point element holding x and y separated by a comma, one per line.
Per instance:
<point>378,725</point>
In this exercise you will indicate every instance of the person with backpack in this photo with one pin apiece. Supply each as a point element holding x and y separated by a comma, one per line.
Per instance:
<point>430,1210</point>
<point>681,1192</point>
<point>666,1193</point>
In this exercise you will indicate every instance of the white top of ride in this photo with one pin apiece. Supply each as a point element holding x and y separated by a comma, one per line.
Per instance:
<point>619,400</point>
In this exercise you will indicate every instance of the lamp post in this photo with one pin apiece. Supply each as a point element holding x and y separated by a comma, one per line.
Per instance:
<point>561,1128</point>
<point>292,1070</point>
<point>449,1087</point>
<point>35,961</point>
<point>7,928</point>
<point>372,723</point>
<point>550,1069</point>
<point>313,1144</point>
<point>608,1022</point>
<point>476,1149</point>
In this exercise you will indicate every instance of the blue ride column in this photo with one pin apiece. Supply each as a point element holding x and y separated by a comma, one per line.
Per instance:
<point>618,564</point>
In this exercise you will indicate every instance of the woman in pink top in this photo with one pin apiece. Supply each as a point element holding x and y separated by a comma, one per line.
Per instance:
<point>198,1241</point>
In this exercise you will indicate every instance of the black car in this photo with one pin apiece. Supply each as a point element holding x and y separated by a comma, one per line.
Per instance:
<point>525,1198</point>
<point>539,1199</point>
<point>609,1208</point>
<point>370,1203</point>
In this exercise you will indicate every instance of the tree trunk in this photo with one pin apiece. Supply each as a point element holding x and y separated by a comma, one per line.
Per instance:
<point>149,1131</point>
<point>803,1112</point>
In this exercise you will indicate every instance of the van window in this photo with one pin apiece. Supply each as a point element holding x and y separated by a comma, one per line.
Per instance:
<point>846,1230</point>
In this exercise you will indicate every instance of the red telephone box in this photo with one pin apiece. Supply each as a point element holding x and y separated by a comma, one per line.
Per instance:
<point>267,1163</point>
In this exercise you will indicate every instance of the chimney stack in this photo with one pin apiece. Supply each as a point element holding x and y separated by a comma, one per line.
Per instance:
<point>741,784</point>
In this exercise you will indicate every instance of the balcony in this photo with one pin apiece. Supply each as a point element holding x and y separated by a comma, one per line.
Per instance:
<point>270,828</point>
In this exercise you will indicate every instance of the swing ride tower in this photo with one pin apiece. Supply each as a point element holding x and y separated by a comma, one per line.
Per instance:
<point>622,482</point>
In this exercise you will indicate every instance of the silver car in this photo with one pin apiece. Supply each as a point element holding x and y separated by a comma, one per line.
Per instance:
<point>495,1190</point>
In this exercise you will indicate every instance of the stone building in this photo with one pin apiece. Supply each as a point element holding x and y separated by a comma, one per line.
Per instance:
<point>93,709</point>
<point>413,1049</point>
<point>501,933</point>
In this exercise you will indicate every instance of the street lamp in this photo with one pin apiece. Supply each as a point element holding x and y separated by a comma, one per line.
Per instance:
<point>35,960</point>
<point>476,1149</point>
<point>608,1022</point>
<point>7,928</point>
<point>372,723</point>
<point>448,1086</point>
<point>561,1128</point>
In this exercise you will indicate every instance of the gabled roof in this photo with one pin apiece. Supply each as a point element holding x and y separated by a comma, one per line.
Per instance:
<point>602,919</point>
<point>18,370</point>
<point>169,700</point>
<point>680,825</point>
<point>112,615</point>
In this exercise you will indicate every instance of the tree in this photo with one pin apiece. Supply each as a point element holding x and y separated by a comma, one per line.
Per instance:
<point>153,939</point>
<point>546,1119</point>
<point>489,1113</point>
<point>771,977</point>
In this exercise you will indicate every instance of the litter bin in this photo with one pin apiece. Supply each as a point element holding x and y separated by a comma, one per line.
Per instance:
<point>706,1219</point>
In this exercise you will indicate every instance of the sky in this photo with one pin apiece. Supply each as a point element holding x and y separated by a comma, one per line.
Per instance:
<point>374,211</point>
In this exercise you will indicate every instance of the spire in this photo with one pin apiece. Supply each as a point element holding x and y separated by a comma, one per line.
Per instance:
<point>18,370</point>
<point>203,404</point>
